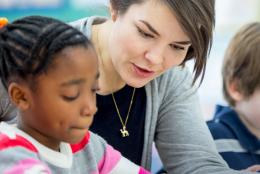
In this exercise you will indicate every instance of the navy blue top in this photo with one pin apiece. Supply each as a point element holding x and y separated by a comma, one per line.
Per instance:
<point>107,123</point>
<point>235,143</point>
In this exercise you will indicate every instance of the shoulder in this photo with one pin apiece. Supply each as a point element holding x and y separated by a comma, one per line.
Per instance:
<point>91,143</point>
<point>175,82</point>
<point>102,149</point>
<point>222,124</point>
<point>85,24</point>
<point>175,76</point>
<point>105,155</point>
<point>219,130</point>
<point>90,140</point>
<point>18,155</point>
<point>111,160</point>
<point>10,140</point>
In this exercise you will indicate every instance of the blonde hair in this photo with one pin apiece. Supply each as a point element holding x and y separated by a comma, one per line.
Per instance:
<point>241,62</point>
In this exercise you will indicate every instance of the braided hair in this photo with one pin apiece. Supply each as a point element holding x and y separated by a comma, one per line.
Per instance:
<point>28,46</point>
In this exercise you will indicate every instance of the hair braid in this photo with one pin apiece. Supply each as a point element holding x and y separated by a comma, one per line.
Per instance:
<point>27,45</point>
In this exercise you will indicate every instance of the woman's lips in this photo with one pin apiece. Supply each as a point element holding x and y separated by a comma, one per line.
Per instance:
<point>142,72</point>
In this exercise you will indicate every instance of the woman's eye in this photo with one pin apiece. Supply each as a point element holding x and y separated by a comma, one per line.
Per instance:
<point>144,34</point>
<point>70,98</point>
<point>94,90</point>
<point>177,47</point>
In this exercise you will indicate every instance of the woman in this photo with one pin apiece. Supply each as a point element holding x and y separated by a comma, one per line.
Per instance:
<point>146,94</point>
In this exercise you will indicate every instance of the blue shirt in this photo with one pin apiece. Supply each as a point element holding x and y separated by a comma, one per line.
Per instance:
<point>235,143</point>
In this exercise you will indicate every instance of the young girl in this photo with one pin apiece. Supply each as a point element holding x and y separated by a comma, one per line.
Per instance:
<point>50,71</point>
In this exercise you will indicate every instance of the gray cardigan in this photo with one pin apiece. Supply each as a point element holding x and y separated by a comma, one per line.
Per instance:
<point>174,122</point>
<point>7,110</point>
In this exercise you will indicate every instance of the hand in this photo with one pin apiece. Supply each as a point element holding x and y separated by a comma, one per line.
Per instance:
<point>253,168</point>
<point>3,22</point>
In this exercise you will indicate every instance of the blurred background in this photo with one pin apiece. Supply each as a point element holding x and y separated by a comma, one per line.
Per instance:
<point>230,16</point>
<point>66,10</point>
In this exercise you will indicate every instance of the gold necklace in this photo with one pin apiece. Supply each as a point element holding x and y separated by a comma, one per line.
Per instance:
<point>124,131</point>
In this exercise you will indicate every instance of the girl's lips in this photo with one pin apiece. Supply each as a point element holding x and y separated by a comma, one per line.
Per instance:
<point>142,72</point>
<point>80,127</point>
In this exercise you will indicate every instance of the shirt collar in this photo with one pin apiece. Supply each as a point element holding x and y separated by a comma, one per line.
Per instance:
<point>229,117</point>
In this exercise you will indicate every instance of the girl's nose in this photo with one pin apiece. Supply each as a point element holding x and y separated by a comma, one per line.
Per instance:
<point>89,108</point>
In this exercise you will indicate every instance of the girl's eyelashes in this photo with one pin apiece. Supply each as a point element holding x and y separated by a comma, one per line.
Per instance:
<point>143,33</point>
<point>70,98</point>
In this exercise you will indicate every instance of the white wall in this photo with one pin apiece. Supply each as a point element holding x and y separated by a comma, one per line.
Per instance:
<point>230,16</point>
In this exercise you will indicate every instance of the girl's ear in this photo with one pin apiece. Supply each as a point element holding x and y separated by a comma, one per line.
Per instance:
<point>233,91</point>
<point>19,95</point>
<point>113,12</point>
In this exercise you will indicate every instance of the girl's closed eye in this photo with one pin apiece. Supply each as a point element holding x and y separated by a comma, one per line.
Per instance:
<point>69,97</point>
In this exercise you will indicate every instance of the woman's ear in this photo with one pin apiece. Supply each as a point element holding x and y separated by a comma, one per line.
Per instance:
<point>19,95</point>
<point>232,89</point>
<point>113,12</point>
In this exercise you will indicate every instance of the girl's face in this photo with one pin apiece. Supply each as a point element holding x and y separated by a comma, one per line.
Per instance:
<point>145,42</point>
<point>64,102</point>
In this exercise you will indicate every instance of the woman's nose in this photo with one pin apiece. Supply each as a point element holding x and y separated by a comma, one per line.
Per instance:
<point>155,55</point>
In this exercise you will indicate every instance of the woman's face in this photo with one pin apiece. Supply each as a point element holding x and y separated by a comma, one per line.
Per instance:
<point>145,42</point>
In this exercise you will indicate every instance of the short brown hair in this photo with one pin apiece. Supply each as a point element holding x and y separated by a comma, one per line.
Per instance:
<point>242,61</point>
<point>197,18</point>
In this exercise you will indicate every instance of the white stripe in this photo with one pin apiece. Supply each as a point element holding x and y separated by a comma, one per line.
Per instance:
<point>61,159</point>
<point>39,169</point>
<point>230,145</point>
<point>125,166</point>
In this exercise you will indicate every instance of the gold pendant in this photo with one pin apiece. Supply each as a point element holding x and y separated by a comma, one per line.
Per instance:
<point>124,132</point>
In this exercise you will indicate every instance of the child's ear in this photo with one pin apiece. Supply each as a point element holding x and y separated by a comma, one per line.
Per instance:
<point>232,89</point>
<point>19,95</point>
<point>113,12</point>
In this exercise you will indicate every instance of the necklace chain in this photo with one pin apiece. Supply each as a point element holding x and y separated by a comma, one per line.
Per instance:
<point>124,131</point>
